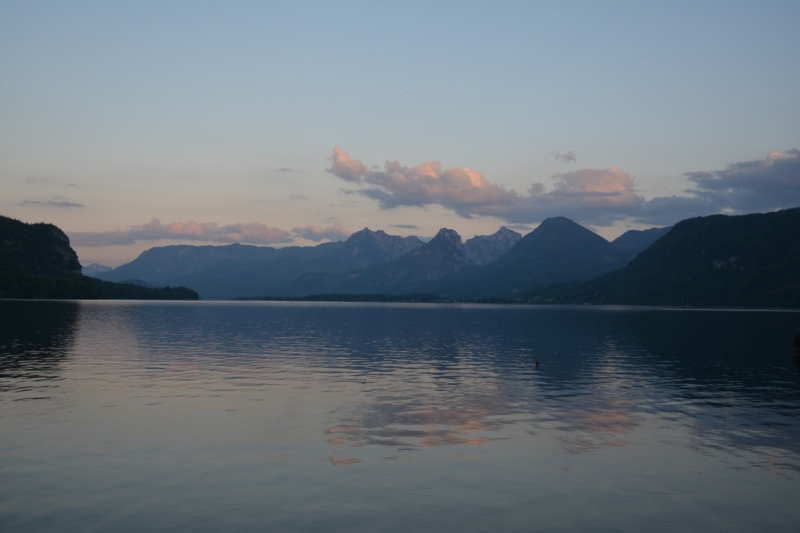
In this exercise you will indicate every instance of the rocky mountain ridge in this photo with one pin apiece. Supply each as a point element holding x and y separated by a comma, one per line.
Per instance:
<point>439,258</point>
<point>485,249</point>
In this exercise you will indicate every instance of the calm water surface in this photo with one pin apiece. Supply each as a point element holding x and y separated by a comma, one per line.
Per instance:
<point>205,416</point>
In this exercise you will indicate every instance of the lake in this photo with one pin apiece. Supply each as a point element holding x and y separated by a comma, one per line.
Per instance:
<point>278,416</point>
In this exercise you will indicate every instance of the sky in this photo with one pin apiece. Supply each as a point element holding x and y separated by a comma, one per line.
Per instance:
<point>138,124</point>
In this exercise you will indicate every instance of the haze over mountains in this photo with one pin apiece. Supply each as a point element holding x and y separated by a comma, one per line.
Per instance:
<point>500,265</point>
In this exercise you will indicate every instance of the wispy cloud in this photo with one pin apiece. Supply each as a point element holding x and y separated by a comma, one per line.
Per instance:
<point>760,184</point>
<point>566,157</point>
<point>593,196</point>
<point>316,234</point>
<point>247,233</point>
<point>105,238</point>
<point>745,187</point>
<point>47,181</point>
<point>57,203</point>
<point>404,226</point>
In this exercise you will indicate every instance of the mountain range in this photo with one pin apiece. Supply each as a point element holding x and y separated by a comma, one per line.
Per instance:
<point>438,259</point>
<point>719,260</point>
<point>240,271</point>
<point>503,264</point>
<point>161,265</point>
<point>223,272</point>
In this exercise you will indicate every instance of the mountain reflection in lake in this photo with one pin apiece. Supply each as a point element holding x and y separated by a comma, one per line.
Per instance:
<point>386,417</point>
<point>33,343</point>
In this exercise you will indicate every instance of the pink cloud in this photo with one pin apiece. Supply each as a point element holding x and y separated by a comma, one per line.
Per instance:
<point>247,233</point>
<point>580,194</point>
<point>346,168</point>
<point>594,196</point>
<point>460,189</point>
<point>252,232</point>
<point>592,187</point>
<point>101,238</point>
<point>316,234</point>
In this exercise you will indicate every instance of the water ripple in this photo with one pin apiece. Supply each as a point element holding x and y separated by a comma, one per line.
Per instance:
<point>281,400</point>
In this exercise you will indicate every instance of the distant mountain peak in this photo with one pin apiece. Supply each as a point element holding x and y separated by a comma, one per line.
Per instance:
<point>94,269</point>
<point>449,234</point>
<point>441,257</point>
<point>363,233</point>
<point>485,249</point>
<point>563,228</point>
<point>367,234</point>
<point>558,222</point>
<point>388,247</point>
<point>446,240</point>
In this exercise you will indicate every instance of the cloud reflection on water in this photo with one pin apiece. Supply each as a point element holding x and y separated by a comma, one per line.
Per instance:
<point>34,344</point>
<point>428,377</point>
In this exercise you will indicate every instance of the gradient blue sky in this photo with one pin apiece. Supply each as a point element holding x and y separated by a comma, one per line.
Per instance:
<point>226,114</point>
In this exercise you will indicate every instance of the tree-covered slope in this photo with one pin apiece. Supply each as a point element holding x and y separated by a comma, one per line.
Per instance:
<point>633,242</point>
<point>40,249</point>
<point>719,260</point>
<point>36,261</point>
